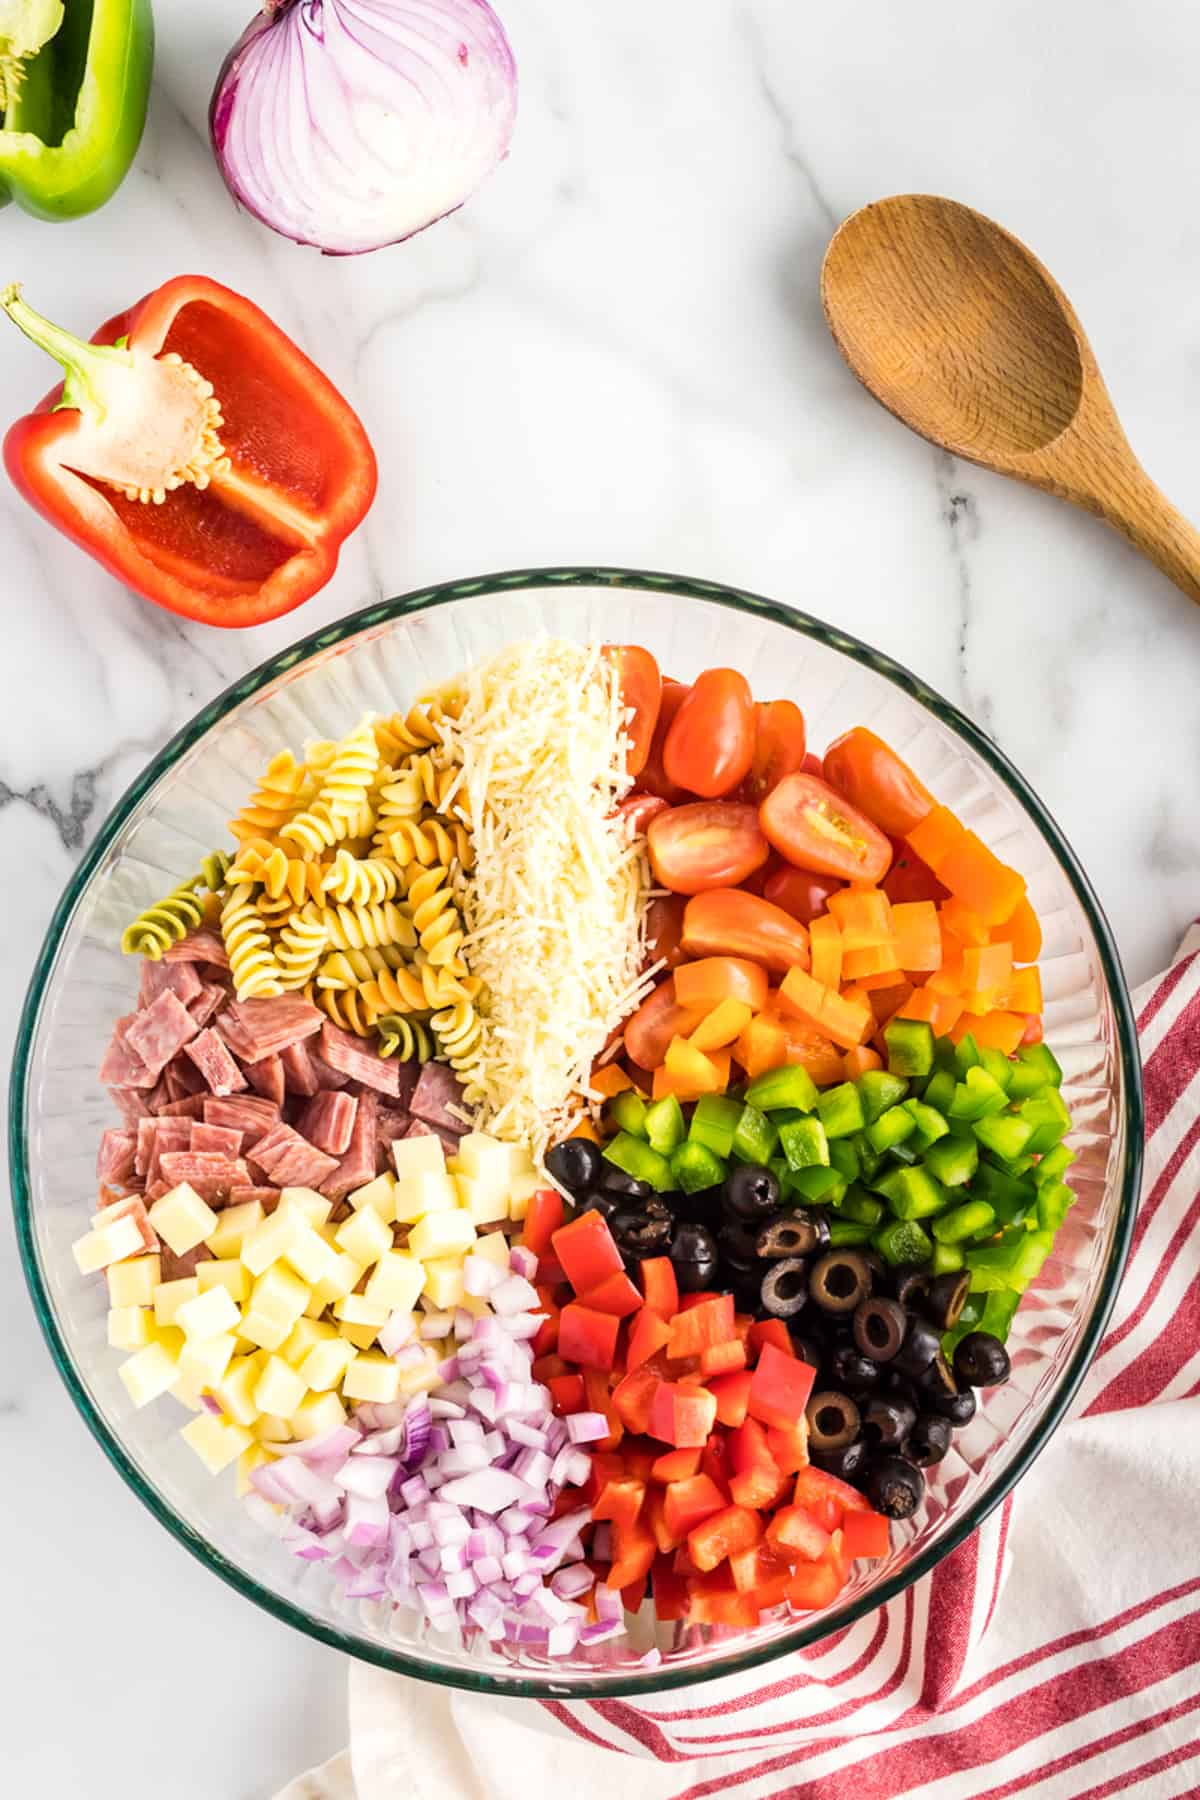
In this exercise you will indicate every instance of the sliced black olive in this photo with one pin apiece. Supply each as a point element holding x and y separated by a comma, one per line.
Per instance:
<point>797,1233</point>
<point>887,1420</point>
<point>833,1421</point>
<point>618,1182</point>
<point>644,1233</point>
<point>879,1269</point>
<point>879,1328</point>
<point>751,1191</point>
<point>808,1350</point>
<point>938,1380</point>
<point>911,1286</point>
<point>893,1486</point>
<point>959,1407</point>
<point>745,1286</point>
<point>575,1164</point>
<point>929,1440</point>
<point>981,1359</point>
<point>785,1288</point>
<point>847,1464</point>
<point>853,1371</point>
<point>703,1208</point>
<point>921,1344</point>
<point>693,1257</point>
<point>605,1204</point>
<point>736,1241</point>
<point>840,1281</point>
<point>946,1298</point>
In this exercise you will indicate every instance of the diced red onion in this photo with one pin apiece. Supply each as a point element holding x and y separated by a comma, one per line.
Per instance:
<point>609,1605</point>
<point>398,1332</point>
<point>513,1295</point>
<point>410,1356</point>
<point>367,1476</point>
<point>602,1544</point>
<point>367,1522</point>
<point>331,1446</point>
<point>522,1261</point>
<point>568,1583</point>
<point>437,1325</point>
<point>480,1276</point>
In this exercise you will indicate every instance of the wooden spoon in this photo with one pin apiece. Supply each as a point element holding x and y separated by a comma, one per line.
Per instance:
<point>961,333</point>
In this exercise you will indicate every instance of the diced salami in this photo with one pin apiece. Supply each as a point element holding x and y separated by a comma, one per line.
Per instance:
<point>419,1128</point>
<point>128,1206</point>
<point>160,1031</point>
<point>269,1026</point>
<point>222,1140</point>
<point>298,1071</point>
<point>437,1098</point>
<point>211,1175</point>
<point>181,1078</point>
<point>215,1064</point>
<point>116,1156</point>
<point>234,1034</point>
<point>267,1079</point>
<point>327,1077</point>
<point>199,947</point>
<point>156,1135</point>
<point>122,1066</point>
<point>244,1113</point>
<point>267,1197</point>
<point>208,1001</point>
<point>178,1268</point>
<point>131,1104</point>
<point>158,978</point>
<point>352,1057</point>
<point>407,1075</point>
<point>393,1123</point>
<point>289,1160</point>
<point>357,1167</point>
<point>190,1107</point>
<point>328,1122</point>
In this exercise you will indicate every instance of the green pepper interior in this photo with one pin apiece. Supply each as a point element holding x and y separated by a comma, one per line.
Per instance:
<point>49,94</point>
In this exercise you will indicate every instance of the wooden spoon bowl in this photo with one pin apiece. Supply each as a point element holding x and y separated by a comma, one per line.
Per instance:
<point>959,331</point>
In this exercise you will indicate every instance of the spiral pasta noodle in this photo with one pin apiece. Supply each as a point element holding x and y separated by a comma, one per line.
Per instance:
<point>285,786</point>
<point>435,918</point>
<point>282,877</point>
<point>256,974</point>
<point>404,1037</point>
<point>344,1007</point>
<point>181,911</point>
<point>298,951</point>
<point>368,927</point>
<point>352,968</point>
<point>403,733</point>
<point>458,1031</point>
<point>413,988</point>
<point>427,841</point>
<point>362,882</point>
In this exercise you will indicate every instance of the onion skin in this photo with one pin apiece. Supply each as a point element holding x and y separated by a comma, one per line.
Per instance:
<point>349,125</point>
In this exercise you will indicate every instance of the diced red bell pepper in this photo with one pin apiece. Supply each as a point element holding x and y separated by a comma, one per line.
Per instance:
<point>687,1302</point>
<point>769,1331</point>
<point>659,1285</point>
<point>597,1398</point>
<point>633,1398</point>
<point>605,1467</point>
<point>757,1479</point>
<point>680,1415</point>
<point>616,1294</point>
<point>676,1465</point>
<point>780,1388</point>
<point>789,1446</point>
<point>655,1514</point>
<point>542,1220</point>
<point>866,1534</point>
<point>695,1330</point>
<point>688,1503</point>
<point>545,1338</point>
<point>550,1273</point>
<point>715,1462</point>
<point>794,1533</point>
<point>545,1368</point>
<point>826,1498</point>
<point>621,1501</point>
<point>816,1584</point>
<point>669,1590</point>
<point>723,1359</point>
<point>756,1567</point>
<point>587,1251</point>
<point>633,1595</point>
<point>732,1395</point>
<point>634,1552</point>
<point>733,1528</point>
<point>638,1455</point>
<point>713,1602</point>
<point>566,1393</point>
<point>585,1337</point>
<point>647,1334</point>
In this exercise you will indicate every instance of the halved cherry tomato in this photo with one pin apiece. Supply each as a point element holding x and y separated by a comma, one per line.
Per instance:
<point>654,777</point>
<point>909,878</point>
<point>804,895</point>
<point>812,765</point>
<point>640,808</point>
<point>873,778</point>
<point>778,746</point>
<point>710,844</point>
<point>664,930</point>
<point>710,746</point>
<point>725,922</point>
<point>811,824</point>
<point>641,690</point>
<point>657,1020</point>
<point>717,978</point>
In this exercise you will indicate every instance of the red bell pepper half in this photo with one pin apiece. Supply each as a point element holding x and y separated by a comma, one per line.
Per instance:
<point>196,453</point>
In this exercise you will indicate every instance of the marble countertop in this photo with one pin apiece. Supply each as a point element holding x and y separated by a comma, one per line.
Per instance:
<point>614,354</point>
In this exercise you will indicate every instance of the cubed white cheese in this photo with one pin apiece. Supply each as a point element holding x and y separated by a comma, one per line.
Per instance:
<point>270,1241</point>
<point>202,1364</point>
<point>311,1257</point>
<point>418,1155</point>
<point>365,1237</point>
<point>395,1282</point>
<point>234,1225</point>
<point>484,1156</point>
<point>326,1363</point>
<point>148,1374</point>
<point>133,1283</point>
<point>235,1391</point>
<point>307,1202</point>
<point>304,1334</point>
<point>216,1442</point>
<point>356,1309</point>
<point>442,1234</point>
<point>129,1327</point>
<point>360,1336</point>
<point>417,1377</point>
<point>169,1296</point>
<point>279,1293</point>
<point>262,1330</point>
<point>234,1277</point>
<point>429,1190</point>
<point>372,1377</point>
<point>342,1280</point>
<point>253,1458</point>
<point>521,1190</point>
<point>379,1195</point>
<point>317,1414</point>
<point>279,1390</point>
<point>182,1219</point>
<point>207,1315</point>
<point>109,1244</point>
<point>484,1197</point>
<point>270,1428</point>
<point>444,1282</point>
<point>494,1246</point>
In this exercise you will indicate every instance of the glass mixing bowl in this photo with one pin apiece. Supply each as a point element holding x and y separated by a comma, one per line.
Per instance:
<point>378,660</point>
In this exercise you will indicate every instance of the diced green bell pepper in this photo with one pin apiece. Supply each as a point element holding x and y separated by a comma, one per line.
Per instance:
<point>844,1157</point>
<point>1004,1134</point>
<point>664,1125</point>
<point>1046,1111</point>
<point>1054,1165</point>
<point>817,1182</point>
<point>970,1220</point>
<point>953,1161</point>
<point>636,1158</point>
<point>790,1086</point>
<point>1036,1067</point>
<point>911,1193</point>
<point>840,1110</point>
<point>891,1128</point>
<point>845,1234</point>
<point>859,1206</point>
<point>628,1110</point>
<point>694,1168</point>
<point>939,1090</point>
<point>755,1138</point>
<point>909,1047</point>
<point>904,1154</point>
<point>1054,1201</point>
<point>878,1090</point>
<point>947,1259</point>
<point>998,1312</point>
<point>966,1056</point>
<point>869,1158</point>
<point>902,1241</point>
<point>804,1143</point>
<point>976,1095</point>
<point>1012,1263</point>
<point>997,1066</point>
<point>930,1124</point>
<point>1010,1200</point>
<point>714,1122</point>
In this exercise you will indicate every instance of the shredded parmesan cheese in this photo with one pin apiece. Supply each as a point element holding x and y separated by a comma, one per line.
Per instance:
<point>555,906</point>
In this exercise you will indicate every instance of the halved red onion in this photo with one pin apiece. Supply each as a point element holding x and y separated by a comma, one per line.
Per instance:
<point>351,124</point>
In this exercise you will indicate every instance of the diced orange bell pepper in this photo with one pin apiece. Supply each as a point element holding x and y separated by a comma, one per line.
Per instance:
<point>858,1061</point>
<point>757,1480</point>
<point>732,1395</point>
<point>888,1001</point>
<point>583,1128</point>
<point>824,1011</point>
<point>793,1534</point>
<point>769,1331</point>
<point>873,984</point>
<point>676,1465</point>
<point>1025,991</point>
<point>936,837</point>
<point>866,1534</point>
<point>864,916</point>
<point>780,1389</point>
<point>762,1046</point>
<point>733,1528</point>
<point>1023,931</point>
<point>941,1011</point>
<point>688,1503</point>
<point>987,968</point>
<point>825,944</point>
<point>880,959</point>
<point>723,1359</point>
<point>722,1026</point>
<point>690,1065</point>
<point>609,1080</point>
<point>712,980</point>
<point>917,935</point>
<point>711,1322</point>
<point>966,926</point>
<point>967,867</point>
<point>811,1050</point>
<point>633,1397</point>
<point>620,1501</point>
<point>788,1445</point>
<point>1002,1031</point>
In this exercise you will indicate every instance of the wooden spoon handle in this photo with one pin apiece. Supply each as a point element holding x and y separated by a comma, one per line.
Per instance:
<point>1141,512</point>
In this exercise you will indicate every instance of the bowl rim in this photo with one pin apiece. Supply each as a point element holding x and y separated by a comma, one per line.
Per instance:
<point>522,1684</point>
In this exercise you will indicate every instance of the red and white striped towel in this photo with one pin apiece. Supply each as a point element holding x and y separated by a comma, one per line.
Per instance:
<point>1055,1655</point>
